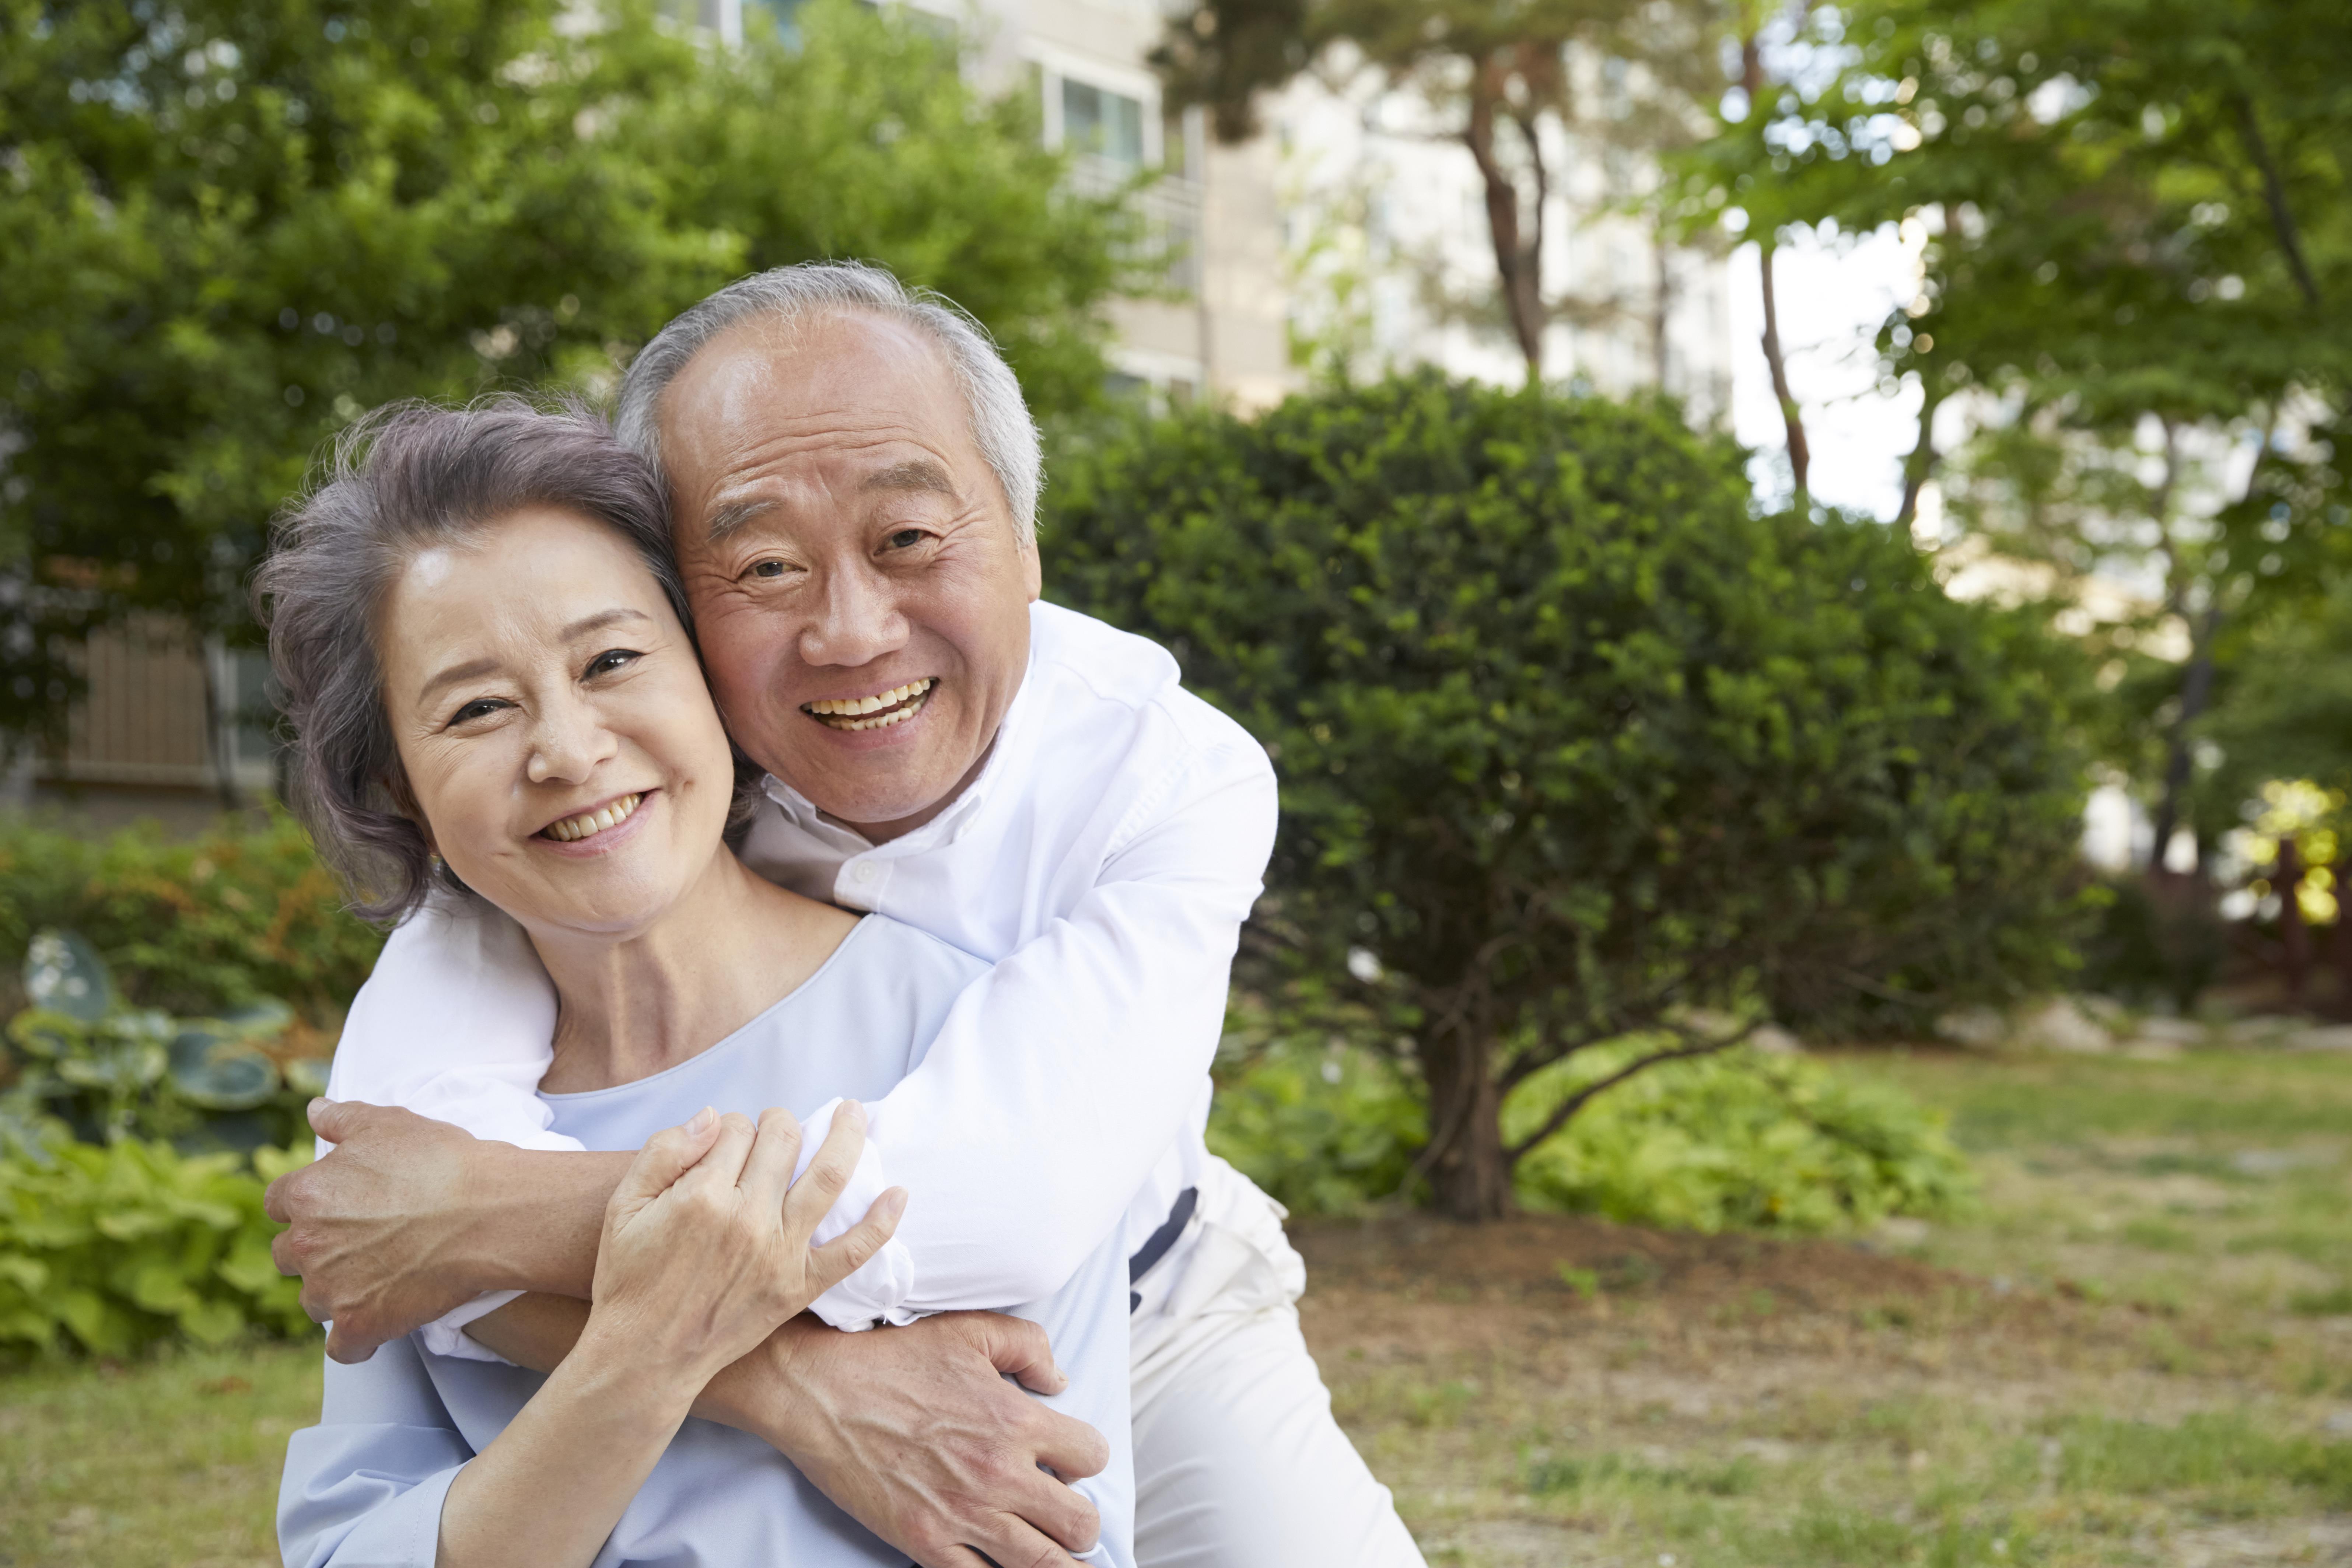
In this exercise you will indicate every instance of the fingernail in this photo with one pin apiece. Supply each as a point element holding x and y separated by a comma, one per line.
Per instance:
<point>894,1202</point>
<point>702,1121</point>
<point>851,1108</point>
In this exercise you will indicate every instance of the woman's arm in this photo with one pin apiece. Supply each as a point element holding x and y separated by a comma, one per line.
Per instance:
<point>705,1253</point>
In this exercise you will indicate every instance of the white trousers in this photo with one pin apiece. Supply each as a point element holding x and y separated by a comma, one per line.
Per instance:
<point>1238,1461</point>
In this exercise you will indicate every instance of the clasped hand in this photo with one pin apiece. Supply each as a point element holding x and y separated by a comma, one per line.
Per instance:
<point>706,1249</point>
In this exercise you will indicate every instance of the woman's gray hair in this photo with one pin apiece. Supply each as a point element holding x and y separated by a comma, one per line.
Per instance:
<point>1001,426</point>
<point>408,477</point>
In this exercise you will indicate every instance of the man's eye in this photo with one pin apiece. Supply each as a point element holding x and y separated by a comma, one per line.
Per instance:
<point>769,569</point>
<point>906,539</point>
<point>611,659</point>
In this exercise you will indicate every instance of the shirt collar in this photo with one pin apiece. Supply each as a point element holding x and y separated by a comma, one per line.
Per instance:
<point>1011,732</point>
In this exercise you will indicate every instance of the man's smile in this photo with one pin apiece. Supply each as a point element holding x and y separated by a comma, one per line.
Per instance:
<point>877,712</point>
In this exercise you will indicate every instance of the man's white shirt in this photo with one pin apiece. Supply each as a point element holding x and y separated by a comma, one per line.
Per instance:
<point>1103,862</point>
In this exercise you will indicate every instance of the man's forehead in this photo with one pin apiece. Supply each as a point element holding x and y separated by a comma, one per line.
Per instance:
<point>852,381</point>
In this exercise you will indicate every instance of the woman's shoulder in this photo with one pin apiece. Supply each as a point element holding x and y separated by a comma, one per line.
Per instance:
<point>910,958</point>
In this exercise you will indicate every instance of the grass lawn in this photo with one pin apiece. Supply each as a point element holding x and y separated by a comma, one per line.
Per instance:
<point>2138,1351</point>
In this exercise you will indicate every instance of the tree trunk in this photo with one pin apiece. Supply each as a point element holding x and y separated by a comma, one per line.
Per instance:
<point>1517,263</point>
<point>1468,1175</point>
<point>2196,693</point>
<point>1793,417</point>
<point>2340,940</point>
<point>1922,459</point>
<point>2295,937</point>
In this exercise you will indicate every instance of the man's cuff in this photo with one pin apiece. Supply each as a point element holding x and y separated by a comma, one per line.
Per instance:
<point>447,1335</point>
<point>878,1292</point>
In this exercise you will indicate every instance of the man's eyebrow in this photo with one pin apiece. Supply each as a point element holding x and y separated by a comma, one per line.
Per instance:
<point>727,518</point>
<point>915,474</point>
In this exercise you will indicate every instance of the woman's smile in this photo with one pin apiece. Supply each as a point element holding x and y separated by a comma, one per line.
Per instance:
<point>596,823</point>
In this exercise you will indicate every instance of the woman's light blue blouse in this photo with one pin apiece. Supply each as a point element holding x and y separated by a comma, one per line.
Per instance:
<point>364,1488</point>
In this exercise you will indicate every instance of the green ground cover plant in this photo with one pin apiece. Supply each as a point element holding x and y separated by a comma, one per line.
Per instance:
<point>114,1247</point>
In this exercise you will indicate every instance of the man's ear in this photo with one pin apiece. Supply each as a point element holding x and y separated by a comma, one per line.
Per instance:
<point>1032,570</point>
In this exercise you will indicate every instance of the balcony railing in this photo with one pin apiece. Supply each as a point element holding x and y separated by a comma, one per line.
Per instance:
<point>1170,207</point>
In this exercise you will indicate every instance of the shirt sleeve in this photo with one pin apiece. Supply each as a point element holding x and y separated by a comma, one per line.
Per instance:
<point>457,1023</point>
<point>1060,1076</point>
<point>364,1488</point>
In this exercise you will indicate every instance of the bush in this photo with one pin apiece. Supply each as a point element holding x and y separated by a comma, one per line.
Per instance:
<point>115,1247</point>
<point>1738,1141</point>
<point>1575,744</point>
<point>227,921</point>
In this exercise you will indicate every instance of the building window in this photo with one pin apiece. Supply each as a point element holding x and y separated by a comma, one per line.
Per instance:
<point>1107,124</point>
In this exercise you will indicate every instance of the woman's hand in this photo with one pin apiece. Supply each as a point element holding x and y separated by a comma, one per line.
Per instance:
<point>706,1245</point>
<point>705,1251</point>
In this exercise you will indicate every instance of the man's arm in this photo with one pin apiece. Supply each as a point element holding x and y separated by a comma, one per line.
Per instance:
<point>1064,1074</point>
<point>915,1432</point>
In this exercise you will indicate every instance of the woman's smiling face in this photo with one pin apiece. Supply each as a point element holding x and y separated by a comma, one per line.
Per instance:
<point>559,740</point>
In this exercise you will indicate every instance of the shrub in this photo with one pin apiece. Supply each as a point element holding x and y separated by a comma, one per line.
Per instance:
<point>227,921</point>
<point>1737,1142</point>
<point>113,1248</point>
<point>1572,742</point>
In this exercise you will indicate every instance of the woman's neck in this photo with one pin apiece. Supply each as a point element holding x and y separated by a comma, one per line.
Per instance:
<point>729,949</point>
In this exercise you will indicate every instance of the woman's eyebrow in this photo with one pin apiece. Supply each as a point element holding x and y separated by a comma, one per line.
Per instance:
<point>602,619</point>
<point>475,669</point>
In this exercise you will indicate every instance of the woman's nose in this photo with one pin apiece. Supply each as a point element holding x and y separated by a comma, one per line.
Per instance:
<point>567,744</point>
<point>859,623</point>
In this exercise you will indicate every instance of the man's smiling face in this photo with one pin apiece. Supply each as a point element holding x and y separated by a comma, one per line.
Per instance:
<point>859,589</point>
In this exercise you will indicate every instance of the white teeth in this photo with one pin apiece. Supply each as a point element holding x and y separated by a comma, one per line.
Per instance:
<point>588,824</point>
<point>851,707</point>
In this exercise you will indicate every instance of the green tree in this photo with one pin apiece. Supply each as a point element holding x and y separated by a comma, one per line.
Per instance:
<point>1574,743</point>
<point>230,227</point>
<point>1520,85</point>
<point>2135,255</point>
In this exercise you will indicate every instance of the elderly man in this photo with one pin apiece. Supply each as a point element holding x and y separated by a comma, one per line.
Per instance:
<point>855,478</point>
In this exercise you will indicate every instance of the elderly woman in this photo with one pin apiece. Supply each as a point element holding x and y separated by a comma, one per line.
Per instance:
<point>488,668</point>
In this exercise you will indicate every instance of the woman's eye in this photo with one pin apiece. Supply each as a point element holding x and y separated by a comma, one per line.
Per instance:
<point>480,707</point>
<point>611,659</point>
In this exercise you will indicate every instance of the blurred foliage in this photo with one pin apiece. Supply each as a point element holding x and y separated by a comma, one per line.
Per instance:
<point>199,929</point>
<point>229,229</point>
<point>2134,219</point>
<point>1741,1141</point>
<point>2158,939</point>
<point>106,1069</point>
<point>114,1247</point>
<point>1572,741</point>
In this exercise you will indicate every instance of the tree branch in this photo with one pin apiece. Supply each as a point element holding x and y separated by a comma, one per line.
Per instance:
<point>2274,193</point>
<point>1575,1102</point>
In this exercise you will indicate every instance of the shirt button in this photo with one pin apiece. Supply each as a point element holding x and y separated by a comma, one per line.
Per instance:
<point>864,872</point>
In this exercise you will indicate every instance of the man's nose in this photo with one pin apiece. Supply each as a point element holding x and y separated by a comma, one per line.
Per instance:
<point>568,740</point>
<point>859,623</point>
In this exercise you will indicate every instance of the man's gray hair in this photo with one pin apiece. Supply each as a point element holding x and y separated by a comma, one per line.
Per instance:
<point>1001,426</point>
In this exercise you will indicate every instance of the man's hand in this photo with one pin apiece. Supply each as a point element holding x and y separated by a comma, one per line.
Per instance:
<point>916,1434</point>
<point>376,1228</point>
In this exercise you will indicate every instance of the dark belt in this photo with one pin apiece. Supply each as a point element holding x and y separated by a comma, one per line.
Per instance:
<point>1155,1245</point>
